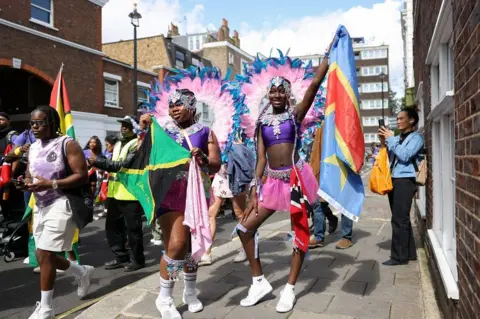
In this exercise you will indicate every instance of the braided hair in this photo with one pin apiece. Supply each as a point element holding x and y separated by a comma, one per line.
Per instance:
<point>52,118</point>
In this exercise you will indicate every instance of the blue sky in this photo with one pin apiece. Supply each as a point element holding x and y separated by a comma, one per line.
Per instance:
<point>258,12</point>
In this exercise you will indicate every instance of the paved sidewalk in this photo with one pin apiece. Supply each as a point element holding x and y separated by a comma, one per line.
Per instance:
<point>334,284</point>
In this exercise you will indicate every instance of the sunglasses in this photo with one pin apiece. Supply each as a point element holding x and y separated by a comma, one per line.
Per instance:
<point>38,122</point>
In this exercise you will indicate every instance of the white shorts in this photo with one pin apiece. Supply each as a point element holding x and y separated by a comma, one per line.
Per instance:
<point>220,185</point>
<point>53,226</point>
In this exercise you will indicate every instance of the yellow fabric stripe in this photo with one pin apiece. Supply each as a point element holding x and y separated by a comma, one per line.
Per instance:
<point>330,109</point>
<point>345,150</point>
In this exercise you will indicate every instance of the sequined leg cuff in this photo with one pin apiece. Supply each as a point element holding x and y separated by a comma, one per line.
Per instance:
<point>256,235</point>
<point>174,267</point>
<point>190,263</point>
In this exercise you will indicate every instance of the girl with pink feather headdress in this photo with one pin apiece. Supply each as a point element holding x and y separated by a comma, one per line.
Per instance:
<point>174,106</point>
<point>284,181</point>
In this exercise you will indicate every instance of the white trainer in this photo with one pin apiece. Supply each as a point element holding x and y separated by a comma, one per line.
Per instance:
<point>42,313</point>
<point>167,308</point>
<point>157,242</point>
<point>241,256</point>
<point>256,292</point>
<point>190,299</point>
<point>287,300</point>
<point>84,281</point>
<point>206,260</point>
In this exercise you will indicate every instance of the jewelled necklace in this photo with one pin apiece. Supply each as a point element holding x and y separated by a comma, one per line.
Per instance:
<point>275,120</point>
<point>177,131</point>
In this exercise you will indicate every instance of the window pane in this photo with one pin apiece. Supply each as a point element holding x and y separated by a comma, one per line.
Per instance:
<point>40,14</point>
<point>42,3</point>
<point>111,92</point>
<point>179,64</point>
<point>180,55</point>
<point>197,47</point>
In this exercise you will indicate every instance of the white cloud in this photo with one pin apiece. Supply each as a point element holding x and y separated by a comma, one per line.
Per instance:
<point>308,35</point>
<point>311,35</point>
<point>156,17</point>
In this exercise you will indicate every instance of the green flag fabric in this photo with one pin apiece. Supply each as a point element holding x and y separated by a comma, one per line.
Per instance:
<point>158,161</point>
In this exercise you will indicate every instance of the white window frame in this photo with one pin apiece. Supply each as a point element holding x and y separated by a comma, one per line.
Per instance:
<point>442,235</point>
<point>43,23</point>
<point>143,85</point>
<point>372,70</point>
<point>231,58</point>
<point>117,79</point>
<point>195,61</point>
<point>242,63</point>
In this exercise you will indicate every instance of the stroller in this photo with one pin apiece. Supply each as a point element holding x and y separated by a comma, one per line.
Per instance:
<point>14,233</point>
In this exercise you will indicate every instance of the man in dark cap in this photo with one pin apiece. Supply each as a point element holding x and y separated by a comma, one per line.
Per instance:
<point>7,134</point>
<point>124,216</point>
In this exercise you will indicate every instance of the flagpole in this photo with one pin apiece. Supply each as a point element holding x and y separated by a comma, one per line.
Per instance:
<point>59,88</point>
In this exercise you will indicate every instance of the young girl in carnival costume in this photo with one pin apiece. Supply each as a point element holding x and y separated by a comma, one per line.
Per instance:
<point>288,178</point>
<point>175,110</point>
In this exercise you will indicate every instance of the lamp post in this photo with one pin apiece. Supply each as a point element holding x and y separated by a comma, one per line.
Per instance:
<point>135,20</point>
<point>382,78</point>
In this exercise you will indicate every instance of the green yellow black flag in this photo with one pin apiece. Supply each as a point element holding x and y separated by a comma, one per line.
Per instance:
<point>153,170</point>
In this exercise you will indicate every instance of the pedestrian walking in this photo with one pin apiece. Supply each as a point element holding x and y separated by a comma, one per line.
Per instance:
<point>51,156</point>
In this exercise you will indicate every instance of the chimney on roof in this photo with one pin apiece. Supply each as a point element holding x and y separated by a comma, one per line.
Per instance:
<point>173,30</point>
<point>236,38</point>
<point>224,31</point>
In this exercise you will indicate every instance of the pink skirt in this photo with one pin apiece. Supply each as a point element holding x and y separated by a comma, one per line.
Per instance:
<point>275,193</point>
<point>177,194</point>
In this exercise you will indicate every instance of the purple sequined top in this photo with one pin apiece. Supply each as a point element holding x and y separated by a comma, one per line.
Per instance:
<point>46,160</point>
<point>277,129</point>
<point>197,133</point>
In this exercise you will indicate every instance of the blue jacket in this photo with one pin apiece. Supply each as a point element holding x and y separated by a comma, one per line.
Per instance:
<point>404,154</point>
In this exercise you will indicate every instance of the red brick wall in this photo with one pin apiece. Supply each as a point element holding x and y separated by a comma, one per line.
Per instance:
<point>79,21</point>
<point>125,89</point>
<point>81,70</point>
<point>466,19</point>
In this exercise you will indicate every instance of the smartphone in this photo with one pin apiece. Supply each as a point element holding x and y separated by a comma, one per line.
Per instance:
<point>381,122</point>
<point>18,182</point>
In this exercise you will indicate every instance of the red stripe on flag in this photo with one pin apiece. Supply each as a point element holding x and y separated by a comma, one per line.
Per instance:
<point>347,119</point>
<point>66,101</point>
<point>54,94</point>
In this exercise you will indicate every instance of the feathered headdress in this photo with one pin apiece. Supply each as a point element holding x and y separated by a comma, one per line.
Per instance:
<point>256,81</point>
<point>211,90</point>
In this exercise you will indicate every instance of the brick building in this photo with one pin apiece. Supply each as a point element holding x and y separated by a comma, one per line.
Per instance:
<point>219,47</point>
<point>34,44</point>
<point>446,50</point>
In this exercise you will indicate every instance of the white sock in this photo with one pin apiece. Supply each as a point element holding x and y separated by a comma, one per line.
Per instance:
<point>288,286</point>
<point>258,280</point>
<point>75,269</point>
<point>166,288</point>
<point>190,280</point>
<point>47,299</point>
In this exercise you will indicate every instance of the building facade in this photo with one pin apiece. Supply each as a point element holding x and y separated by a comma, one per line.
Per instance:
<point>219,47</point>
<point>446,50</point>
<point>36,38</point>
<point>373,86</point>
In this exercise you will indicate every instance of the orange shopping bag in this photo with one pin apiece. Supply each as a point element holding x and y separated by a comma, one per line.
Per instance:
<point>381,177</point>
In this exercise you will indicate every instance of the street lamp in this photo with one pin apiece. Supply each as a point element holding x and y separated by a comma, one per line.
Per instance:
<point>135,17</point>
<point>382,78</point>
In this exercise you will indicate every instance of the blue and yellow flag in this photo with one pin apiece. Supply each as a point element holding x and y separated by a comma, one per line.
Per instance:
<point>343,145</point>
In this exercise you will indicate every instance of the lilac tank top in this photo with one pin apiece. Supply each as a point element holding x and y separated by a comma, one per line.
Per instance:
<point>46,160</point>
<point>277,129</point>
